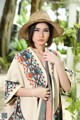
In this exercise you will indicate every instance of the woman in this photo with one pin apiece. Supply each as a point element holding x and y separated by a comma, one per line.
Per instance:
<point>36,74</point>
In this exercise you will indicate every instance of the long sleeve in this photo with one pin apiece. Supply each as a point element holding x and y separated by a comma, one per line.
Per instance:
<point>14,80</point>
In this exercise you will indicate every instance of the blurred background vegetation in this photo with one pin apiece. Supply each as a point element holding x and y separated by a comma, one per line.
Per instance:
<point>15,13</point>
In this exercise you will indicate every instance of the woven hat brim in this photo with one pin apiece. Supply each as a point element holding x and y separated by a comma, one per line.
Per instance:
<point>23,32</point>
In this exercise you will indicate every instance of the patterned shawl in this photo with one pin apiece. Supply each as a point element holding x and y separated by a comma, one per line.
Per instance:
<point>27,71</point>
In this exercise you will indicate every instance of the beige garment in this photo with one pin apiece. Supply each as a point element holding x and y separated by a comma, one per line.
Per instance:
<point>18,73</point>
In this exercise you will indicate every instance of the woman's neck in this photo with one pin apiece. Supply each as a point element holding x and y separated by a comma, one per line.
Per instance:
<point>39,48</point>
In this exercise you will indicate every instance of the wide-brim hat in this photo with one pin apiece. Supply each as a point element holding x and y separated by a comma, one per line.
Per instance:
<point>40,16</point>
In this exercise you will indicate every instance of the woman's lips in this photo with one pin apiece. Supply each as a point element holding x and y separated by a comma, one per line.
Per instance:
<point>40,40</point>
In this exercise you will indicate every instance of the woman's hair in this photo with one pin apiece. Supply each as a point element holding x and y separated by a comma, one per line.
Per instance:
<point>31,30</point>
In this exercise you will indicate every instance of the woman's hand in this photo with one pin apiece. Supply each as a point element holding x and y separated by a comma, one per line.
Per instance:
<point>42,93</point>
<point>51,56</point>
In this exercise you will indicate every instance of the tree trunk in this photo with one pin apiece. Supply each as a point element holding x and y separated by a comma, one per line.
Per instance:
<point>6,25</point>
<point>36,5</point>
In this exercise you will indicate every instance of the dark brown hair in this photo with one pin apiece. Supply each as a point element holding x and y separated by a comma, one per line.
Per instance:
<point>31,32</point>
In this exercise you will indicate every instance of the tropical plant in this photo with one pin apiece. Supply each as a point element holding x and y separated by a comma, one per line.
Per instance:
<point>68,37</point>
<point>4,65</point>
<point>74,107</point>
<point>16,46</point>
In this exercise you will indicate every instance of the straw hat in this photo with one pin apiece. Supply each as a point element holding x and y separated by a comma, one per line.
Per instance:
<point>40,16</point>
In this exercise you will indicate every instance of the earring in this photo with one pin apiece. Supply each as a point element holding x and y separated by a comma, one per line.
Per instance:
<point>46,44</point>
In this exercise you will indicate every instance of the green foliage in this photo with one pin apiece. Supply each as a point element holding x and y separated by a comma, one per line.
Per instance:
<point>4,65</point>
<point>62,51</point>
<point>73,107</point>
<point>58,4</point>
<point>77,25</point>
<point>23,18</point>
<point>76,47</point>
<point>68,37</point>
<point>63,23</point>
<point>16,46</point>
<point>76,51</point>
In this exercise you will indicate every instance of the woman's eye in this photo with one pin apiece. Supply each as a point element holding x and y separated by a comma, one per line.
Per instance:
<point>36,30</point>
<point>46,30</point>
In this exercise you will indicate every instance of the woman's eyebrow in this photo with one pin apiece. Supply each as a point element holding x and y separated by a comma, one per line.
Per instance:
<point>40,28</point>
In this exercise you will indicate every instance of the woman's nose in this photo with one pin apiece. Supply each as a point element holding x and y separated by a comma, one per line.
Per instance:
<point>41,34</point>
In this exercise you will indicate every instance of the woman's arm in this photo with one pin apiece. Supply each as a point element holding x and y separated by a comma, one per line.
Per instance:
<point>39,92</point>
<point>53,58</point>
<point>64,81</point>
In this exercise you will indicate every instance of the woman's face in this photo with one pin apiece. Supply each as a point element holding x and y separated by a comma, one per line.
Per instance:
<point>41,34</point>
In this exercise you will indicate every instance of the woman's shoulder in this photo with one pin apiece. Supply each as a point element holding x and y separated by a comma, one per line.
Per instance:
<point>23,52</point>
